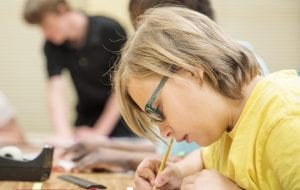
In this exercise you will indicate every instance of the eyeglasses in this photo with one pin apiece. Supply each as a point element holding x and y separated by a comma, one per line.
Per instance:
<point>152,112</point>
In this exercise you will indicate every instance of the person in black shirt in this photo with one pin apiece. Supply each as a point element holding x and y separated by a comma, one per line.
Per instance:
<point>88,47</point>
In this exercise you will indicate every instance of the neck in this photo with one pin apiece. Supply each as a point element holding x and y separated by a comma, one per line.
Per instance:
<point>237,106</point>
<point>77,28</point>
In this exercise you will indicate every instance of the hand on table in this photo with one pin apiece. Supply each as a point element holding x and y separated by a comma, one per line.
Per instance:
<point>145,176</point>
<point>107,159</point>
<point>208,179</point>
<point>60,140</point>
<point>77,151</point>
<point>84,132</point>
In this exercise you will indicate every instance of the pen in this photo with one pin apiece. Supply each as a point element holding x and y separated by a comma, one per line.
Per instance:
<point>164,161</point>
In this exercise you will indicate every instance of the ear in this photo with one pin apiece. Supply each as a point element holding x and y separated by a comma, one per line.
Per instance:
<point>197,74</point>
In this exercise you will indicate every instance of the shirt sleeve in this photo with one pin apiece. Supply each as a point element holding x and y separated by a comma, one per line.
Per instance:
<point>54,59</point>
<point>283,151</point>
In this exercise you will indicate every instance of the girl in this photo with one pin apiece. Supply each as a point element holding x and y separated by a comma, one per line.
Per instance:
<point>182,74</point>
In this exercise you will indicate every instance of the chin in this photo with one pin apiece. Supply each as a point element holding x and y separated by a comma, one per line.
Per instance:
<point>58,42</point>
<point>203,143</point>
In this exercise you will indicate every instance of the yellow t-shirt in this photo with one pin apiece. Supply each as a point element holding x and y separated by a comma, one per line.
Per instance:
<point>263,149</point>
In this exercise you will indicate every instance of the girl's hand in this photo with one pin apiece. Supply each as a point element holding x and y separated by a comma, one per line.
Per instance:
<point>208,179</point>
<point>145,177</point>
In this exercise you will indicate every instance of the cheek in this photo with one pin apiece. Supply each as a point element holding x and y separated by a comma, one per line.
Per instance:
<point>58,31</point>
<point>55,29</point>
<point>62,26</point>
<point>50,31</point>
<point>195,114</point>
<point>181,115</point>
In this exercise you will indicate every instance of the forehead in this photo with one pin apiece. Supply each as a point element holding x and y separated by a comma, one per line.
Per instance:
<point>141,89</point>
<point>50,17</point>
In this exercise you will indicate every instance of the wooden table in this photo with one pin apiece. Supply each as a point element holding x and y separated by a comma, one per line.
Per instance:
<point>111,181</point>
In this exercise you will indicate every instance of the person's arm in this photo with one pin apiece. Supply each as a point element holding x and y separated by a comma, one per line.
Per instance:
<point>9,130</point>
<point>11,133</point>
<point>109,117</point>
<point>191,164</point>
<point>196,176</point>
<point>57,107</point>
<point>105,123</point>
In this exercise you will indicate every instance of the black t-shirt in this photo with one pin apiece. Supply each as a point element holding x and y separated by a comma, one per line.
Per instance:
<point>89,65</point>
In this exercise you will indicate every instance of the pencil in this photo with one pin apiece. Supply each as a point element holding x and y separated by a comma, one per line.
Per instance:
<point>164,161</point>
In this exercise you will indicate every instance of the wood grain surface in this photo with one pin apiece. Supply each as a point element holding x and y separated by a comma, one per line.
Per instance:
<point>110,180</point>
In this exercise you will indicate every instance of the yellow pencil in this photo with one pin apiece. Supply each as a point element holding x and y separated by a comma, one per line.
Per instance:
<point>164,161</point>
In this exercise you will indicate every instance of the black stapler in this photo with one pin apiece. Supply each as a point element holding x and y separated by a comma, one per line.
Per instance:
<point>38,169</point>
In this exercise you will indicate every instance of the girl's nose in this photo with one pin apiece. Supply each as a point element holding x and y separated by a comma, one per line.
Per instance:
<point>165,129</point>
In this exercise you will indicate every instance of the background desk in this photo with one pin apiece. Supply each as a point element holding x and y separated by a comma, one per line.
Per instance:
<point>111,181</point>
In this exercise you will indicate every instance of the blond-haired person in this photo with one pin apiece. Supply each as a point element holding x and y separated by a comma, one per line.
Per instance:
<point>181,73</point>
<point>138,7</point>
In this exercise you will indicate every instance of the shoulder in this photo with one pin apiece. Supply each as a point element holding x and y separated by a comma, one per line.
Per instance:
<point>284,86</point>
<point>104,22</point>
<point>279,91</point>
<point>106,30</point>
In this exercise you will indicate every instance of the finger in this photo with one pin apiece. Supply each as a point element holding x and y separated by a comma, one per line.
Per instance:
<point>147,169</point>
<point>148,162</point>
<point>152,164</point>
<point>163,177</point>
<point>141,184</point>
<point>148,175</point>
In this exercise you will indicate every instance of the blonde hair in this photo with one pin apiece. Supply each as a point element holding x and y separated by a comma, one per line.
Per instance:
<point>189,41</point>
